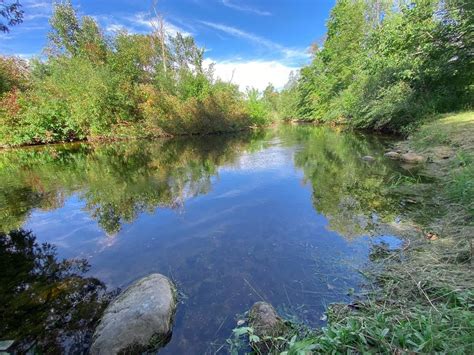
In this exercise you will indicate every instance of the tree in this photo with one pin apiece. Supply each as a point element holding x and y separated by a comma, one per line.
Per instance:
<point>159,32</point>
<point>385,64</point>
<point>12,13</point>
<point>65,29</point>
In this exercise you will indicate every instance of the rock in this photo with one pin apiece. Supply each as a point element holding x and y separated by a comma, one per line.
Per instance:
<point>264,319</point>
<point>412,158</point>
<point>265,322</point>
<point>139,320</point>
<point>368,158</point>
<point>392,155</point>
<point>443,152</point>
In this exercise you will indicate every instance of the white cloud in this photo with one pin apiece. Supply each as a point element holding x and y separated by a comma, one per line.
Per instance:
<point>287,54</point>
<point>245,8</point>
<point>137,23</point>
<point>241,34</point>
<point>115,27</point>
<point>34,4</point>
<point>144,20</point>
<point>36,9</point>
<point>252,73</point>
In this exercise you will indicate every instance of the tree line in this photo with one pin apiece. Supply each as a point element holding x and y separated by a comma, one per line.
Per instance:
<point>94,86</point>
<point>385,64</point>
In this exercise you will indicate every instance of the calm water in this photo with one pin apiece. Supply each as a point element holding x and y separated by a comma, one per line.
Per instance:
<point>281,215</point>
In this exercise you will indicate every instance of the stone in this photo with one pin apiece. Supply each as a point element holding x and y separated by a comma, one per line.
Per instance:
<point>140,319</point>
<point>412,158</point>
<point>443,152</point>
<point>265,322</point>
<point>392,155</point>
<point>264,319</point>
<point>368,158</point>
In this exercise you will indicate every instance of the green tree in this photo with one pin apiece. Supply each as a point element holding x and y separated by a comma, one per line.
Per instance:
<point>386,65</point>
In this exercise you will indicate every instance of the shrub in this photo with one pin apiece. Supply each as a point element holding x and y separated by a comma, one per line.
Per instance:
<point>93,87</point>
<point>256,108</point>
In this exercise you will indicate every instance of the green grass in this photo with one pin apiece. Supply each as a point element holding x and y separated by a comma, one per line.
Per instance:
<point>461,186</point>
<point>455,129</point>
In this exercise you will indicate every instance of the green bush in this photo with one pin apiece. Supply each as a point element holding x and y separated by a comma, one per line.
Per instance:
<point>256,108</point>
<point>386,67</point>
<point>90,87</point>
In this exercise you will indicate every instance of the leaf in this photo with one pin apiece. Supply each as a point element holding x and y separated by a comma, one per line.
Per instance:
<point>241,331</point>
<point>254,338</point>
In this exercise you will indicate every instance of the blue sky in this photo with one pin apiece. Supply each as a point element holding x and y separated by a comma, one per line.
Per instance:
<point>254,42</point>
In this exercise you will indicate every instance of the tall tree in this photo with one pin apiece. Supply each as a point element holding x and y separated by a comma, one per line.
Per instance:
<point>159,32</point>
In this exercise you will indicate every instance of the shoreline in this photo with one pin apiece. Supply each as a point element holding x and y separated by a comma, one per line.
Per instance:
<point>118,138</point>
<point>417,298</point>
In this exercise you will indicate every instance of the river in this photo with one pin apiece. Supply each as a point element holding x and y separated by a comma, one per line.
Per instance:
<point>286,215</point>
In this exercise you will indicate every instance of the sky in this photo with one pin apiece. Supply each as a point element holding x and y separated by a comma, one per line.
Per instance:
<point>252,42</point>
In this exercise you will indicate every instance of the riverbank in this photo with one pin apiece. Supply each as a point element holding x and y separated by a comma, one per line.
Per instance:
<point>420,297</point>
<point>136,133</point>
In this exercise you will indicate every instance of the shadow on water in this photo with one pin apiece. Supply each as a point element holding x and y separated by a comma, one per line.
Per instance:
<point>279,215</point>
<point>46,304</point>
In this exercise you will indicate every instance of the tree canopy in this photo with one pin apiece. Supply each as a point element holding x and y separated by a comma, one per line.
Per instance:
<point>385,64</point>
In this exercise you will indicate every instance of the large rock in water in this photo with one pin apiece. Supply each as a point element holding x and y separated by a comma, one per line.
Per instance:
<point>139,320</point>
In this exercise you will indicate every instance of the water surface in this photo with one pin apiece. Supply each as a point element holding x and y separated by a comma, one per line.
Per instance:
<point>282,215</point>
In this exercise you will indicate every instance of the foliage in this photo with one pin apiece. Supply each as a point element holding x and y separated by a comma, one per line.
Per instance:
<point>375,327</point>
<point>452,131</point>
<point>385,65</point>
<point>92,86</point>
<point>349,192</point>
<point>419,299</point>
<point>13,74</point>
<point>257,109</point>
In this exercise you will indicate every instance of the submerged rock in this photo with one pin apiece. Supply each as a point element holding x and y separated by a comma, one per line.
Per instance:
<point>368,158</point>
<point>266,323</point>
<point>139,320</point>
<point>392,155</point>
<point>412,158</point>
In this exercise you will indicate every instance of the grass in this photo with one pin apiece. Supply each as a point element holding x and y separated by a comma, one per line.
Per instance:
<point>449,129</point>
<point>422,298</point>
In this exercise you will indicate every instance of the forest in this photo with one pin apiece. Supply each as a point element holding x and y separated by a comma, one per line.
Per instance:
<point>383,65</point>
<point>386,65</point>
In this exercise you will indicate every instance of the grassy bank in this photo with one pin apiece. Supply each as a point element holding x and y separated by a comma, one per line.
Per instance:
<point>420,298</point>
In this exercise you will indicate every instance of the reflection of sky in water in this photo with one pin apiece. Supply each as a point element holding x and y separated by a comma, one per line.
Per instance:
<point>254,235</point>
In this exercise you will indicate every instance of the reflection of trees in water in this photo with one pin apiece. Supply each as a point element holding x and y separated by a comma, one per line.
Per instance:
<point>121,180</point>
<point>117,181</point>
<point>349,192</point>
<point>44,302</point>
